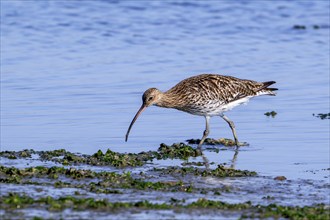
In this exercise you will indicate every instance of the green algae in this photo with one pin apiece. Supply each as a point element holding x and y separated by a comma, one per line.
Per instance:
<point>82,180</point>
<point>304,27</point>
<point>299,27</point>
<point>319,211</point>
<point>180,151</point>
<point>48,155</point>
<point>200,164</point>
<point>99,180</point>
<point>220,171</point>
<point>272,113</point>
<point>109,158</point>
<point>316,212</point>
<point>16,201</point>
<point>322,116</point>
<point>247,210</point>
<point>210,141</point>
<point>117,159</point>
<point>17,154</point>
<point>205,203</point>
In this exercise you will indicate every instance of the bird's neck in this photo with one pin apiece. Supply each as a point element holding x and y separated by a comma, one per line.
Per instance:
<point>167,100</point>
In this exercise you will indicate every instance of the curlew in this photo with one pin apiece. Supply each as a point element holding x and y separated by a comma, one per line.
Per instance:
<point>206,95</point>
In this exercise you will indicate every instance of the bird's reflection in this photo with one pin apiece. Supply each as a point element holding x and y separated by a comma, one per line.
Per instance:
<point>206,161</point>
<point>233,161</point>
<point>232,164</point>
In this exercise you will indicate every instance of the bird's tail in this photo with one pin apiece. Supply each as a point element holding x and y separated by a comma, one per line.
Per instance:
<point>264,90</point>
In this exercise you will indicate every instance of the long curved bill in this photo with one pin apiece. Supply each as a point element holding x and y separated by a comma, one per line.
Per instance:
<point>142,108</point>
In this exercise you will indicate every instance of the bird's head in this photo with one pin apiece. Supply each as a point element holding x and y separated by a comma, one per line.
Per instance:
<point>150,97</point>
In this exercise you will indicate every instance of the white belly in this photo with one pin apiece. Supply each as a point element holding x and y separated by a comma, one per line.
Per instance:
<point>214,107</point>
<point>227,107</point>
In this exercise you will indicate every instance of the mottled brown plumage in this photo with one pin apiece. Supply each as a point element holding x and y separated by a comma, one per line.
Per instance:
<point>206,95</point>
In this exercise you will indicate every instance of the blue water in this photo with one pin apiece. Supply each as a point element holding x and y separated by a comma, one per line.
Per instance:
<point>73,72</point>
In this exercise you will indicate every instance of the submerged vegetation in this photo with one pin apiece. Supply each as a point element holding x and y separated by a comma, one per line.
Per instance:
<point>247,210</point>
<point>304,27</point>
<point>272,113</point>
<point>179,151</point>
<point>220,171</point>
<point>98,181</point>
<point>210,141</point>
<point>322,116</point>
<point>83,183</point>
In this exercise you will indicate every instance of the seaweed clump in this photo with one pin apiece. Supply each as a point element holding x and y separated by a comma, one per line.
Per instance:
<point>16,201</point>
<point>304,27</point>
<point>272,113</point>
<point>179,151</point>
<point>322,116</point>
<point>17,154</point>
<point>99,181</point>
<point>220,171</point>
<point>210,141</point>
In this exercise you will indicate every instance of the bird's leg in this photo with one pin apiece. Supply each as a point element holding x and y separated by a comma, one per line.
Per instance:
<point>232,126</point>
<point>205,134</point>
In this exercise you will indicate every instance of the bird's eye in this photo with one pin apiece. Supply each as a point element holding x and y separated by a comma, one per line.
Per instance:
<point>150,98</point>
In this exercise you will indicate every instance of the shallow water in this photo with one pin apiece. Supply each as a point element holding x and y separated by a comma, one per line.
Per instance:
<point>72,76</point>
